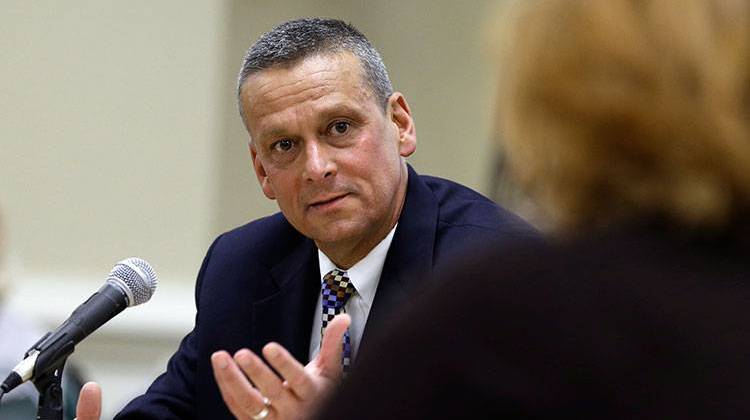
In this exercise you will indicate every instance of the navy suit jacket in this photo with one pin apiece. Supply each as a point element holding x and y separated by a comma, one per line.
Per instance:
<point>260,283</point>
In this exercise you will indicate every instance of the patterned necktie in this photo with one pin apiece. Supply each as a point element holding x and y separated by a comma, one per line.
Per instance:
<point>336,290</point>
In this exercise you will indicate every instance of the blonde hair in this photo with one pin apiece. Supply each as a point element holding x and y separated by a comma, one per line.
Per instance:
<point>611,109</point>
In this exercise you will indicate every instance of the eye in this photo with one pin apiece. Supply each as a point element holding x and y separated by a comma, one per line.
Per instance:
<point>340,127</point>
<point>283,145</point>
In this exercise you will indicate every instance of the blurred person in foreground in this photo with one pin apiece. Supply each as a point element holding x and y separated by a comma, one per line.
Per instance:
<point>359,232</point>
<point>629,122</point>
<point>17,335</point>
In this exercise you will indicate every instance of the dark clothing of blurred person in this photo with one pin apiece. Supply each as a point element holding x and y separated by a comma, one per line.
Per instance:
<point>641,322</point>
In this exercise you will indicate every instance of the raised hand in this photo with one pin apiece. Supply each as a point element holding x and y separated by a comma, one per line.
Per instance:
<point>299,391</point>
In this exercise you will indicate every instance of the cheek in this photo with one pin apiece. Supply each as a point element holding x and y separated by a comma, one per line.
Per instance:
<point>379,152</point>
<point>381,175</point>
<point>284,187</point>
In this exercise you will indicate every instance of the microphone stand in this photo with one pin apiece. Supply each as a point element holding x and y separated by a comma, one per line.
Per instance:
<point>50,390</point>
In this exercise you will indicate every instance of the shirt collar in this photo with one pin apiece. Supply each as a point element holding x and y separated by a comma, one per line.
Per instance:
<point>365,274</point>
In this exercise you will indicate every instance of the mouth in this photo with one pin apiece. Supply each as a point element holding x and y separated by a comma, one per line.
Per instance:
<point>327,202</point>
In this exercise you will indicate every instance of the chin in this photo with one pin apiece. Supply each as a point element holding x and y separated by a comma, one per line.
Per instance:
<point>338,231</point>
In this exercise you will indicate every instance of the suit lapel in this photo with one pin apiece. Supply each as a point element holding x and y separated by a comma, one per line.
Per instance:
<point>287,315</point>
<point>410,257</point>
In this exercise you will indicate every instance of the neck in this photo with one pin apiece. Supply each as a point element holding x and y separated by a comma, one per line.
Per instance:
<point>345,258</point>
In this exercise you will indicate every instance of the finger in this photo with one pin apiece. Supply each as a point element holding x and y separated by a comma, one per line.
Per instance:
<point>294,374</point>
<point>89,405</point>
<point>241,398</point>
<point>329,358</point>
<point>265,380</point>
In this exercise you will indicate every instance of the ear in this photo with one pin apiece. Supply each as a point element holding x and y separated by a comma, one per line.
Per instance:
<point>401,118</point>
<point>260,172</point>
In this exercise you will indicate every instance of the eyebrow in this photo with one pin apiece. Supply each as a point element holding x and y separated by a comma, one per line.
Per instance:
<point>273,133</point>
<point>342,109</point>
<point>324,113</point>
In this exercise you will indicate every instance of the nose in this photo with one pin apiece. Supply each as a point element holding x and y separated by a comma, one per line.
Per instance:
<point>319,163</point>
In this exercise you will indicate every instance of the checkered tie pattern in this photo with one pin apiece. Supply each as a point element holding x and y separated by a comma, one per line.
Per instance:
<point>337,289</point>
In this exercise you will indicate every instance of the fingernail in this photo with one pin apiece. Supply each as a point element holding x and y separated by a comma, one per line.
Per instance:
<point>272,352</point>
<point>242,356</point>
<point>219,361</point>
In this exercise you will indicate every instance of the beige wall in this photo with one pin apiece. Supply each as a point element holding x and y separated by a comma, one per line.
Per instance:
<point>109,125</point>
<point>119,137</point>
<point>119,127</point>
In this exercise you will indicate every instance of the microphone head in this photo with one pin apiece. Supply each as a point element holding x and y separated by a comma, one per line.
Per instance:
<point>137,279</point>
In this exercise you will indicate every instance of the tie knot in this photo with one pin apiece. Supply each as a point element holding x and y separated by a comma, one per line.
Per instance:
<point>337,289</point>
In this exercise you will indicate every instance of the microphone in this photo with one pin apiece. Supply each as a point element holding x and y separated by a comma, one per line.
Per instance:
<point>131,282</point>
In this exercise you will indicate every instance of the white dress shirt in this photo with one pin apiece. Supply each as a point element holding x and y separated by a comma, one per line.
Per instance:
<point>365,276</point>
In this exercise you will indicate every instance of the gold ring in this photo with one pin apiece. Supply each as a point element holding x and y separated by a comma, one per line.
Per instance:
<point>261,414</point>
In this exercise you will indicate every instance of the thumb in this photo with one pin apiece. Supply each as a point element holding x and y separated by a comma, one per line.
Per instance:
<point>89,402</point>
<point>329,358</point>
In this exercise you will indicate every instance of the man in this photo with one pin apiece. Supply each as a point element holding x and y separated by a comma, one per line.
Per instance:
<point>328,140</point>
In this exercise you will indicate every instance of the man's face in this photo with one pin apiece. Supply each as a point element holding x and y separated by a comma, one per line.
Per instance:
<point>325,149</point>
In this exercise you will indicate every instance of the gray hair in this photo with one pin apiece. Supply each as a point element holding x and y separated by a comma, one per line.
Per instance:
<point>297,39</point>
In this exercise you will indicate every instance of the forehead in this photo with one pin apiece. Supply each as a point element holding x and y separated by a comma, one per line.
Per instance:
<point>310,82</point>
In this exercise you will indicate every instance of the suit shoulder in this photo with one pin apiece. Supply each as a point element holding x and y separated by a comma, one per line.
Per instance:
<point>264,240</point>
<point>461,206</point>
